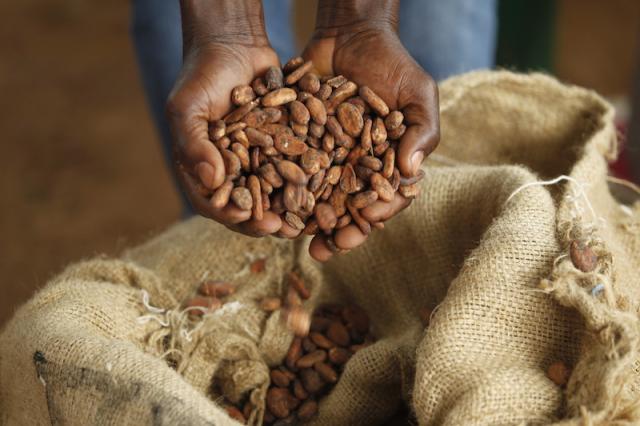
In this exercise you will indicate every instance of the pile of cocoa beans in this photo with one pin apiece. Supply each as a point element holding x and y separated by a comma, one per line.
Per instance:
<point>314,150</point>
<point>312,366</point>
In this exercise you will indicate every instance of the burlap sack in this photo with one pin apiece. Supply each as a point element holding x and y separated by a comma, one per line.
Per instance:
<point>485,246</point>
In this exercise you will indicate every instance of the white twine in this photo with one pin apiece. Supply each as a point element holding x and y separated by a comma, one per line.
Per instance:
<point>147,305</point>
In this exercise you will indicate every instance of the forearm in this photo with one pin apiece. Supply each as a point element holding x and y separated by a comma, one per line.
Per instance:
<point>222,21</point>
<point>335,16</point>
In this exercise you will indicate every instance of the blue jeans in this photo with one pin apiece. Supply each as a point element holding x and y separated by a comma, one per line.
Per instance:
<point>445,37</point>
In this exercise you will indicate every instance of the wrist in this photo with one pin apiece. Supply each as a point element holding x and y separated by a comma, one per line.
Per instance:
<point>338,17</point>
<point>237,22</point>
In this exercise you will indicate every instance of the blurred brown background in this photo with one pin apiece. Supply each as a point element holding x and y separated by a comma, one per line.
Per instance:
<point>82,172</point>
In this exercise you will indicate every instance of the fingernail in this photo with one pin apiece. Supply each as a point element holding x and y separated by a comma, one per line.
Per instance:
<point>205,173</point>
<point>416,161</point>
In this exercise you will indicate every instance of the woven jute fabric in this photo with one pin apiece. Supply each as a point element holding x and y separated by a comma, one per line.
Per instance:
<point>521,172</point>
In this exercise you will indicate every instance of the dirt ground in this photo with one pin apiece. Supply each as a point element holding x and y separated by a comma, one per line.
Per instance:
<point>82,172</point>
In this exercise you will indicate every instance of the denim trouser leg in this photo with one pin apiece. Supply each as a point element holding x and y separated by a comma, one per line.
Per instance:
<point>449,37</point>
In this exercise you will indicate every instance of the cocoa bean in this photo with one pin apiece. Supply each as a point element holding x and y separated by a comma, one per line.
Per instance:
<point>365,136</point>
<point>363,173</point>
<point>278,402</point>
<point>292,64</point>
<point>338,333</point>
<point>242,95</point>
<point>270,304</point>
<point>231,128</point>
<point>333,175</point>
<point>582,256</point>
<point>239,136</point>
<point>309,359</point>
<point>309,83</point>
<point>328,142</point>
<point>279,97</point>
<point>340,155</point>
<point>235,414</point>
<point>310,161</point>
<point>217,130</point>
<point>324,92</point>
<point>242,153</point>
<point>216,288</point>
<point>338,201</point>
<point>326,193</point>
<point>299,113</point>
<point>307,410</point>
<point>255,118</point>
<point>289,144</point>
<point>258,138</point>
<point>300,129</point>
<point>299,390</point>
<point>319,323</point>
<point>232,165</point>
<point>559,373</point>
<point>308,345</point>
<point>359,104</point>
<point>294,221</point>
<point>325,216</point>
<point>294,353</point>
<point>297,73</point>
<point>378,131</point>
<point>408,191</point>
<point>363,224</point>
<point>279,379</point>
<point>346,141</point>
<point>316,130</point>
<point>259,87</point>
<point>293,197</point>
<point>370,162</point>
<point>222,143</point>
<point>379,149</point>
<point>389,163</point>
<point>317,110</point>
<point>348,179</point>
<point>395,179</point>
<point>272,115</point>
<point>274,129</point>
<point>253,184</point>
<point>336,81</point>
<point>313,142</point>
<point>311,228</point>
<point>221,195</point>
<point>334,127</point>
<point>271,175</point>
<point>265,186</point>
<point>396,133</point>
<point>325,371</point>
<point>382,187</point>
<point>238,113</point>
<point>273,78</point>
<point>311,380</point>
<point>350,119</point>
<point>343,221</point>
<point>241,197</point>
<point>320,339</point>
<point>200,305</point>
<point>393,120</point>
<point>339,356</point>
<point>291,172</point>
<point>364,199</point>
<point>374,101</point>
<point>266,203</point>
<point>316,180</point>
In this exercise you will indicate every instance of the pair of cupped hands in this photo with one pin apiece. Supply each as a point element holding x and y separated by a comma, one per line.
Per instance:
<point>367,55</point>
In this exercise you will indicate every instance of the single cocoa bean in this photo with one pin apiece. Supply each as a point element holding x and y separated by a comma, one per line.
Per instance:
<point>338,333</point>
<point>293,197</point>
<point>289,144</point>
<point>265,186</point>
<point>316,180</point>
<point>326,372</point>
<point>559,373</point>
<point>328,142</point>
<point>297,73</point>
<point>243,155</point>
<point>359,104</point>
<point>309,359</point>
<point>278,402</point>
<point>239,136</point>
<point>309,83</point>
<point>259,87</point>
<point>378,131</point>
<point>292,64</point>
<point>291,172</point>
<point>273,129</point>
<point>370,162</point>
<point>338,201</point>
<point>266,203</point>
<point>307,410</point>
<point>238,113</point>
<point>223,142</point>
<point>272,115</point>
<point>340,155</point>
<point>380,149</point>
<point>325,216</point>
<point>299,390</point>
<point>364,199</point>
<point>348,179</point>
<point>310,161</point>
<point>299,113</point>
<point>327,192</point>
<point>393,120</point>
<point>311,380</point>
<point>279,97</point>
<point>279,379</point>
<point>294,221</point>
<point>232,128</point>
<point>363,224</point>
<point>258,138</point>
<point>350,119</point>
<point>241,95</point>
<point>277,202</point>
<point>270,304</point>
<point>382,187</point>
<point>582,256</point>
<point>389,163</point>
<point>320,339</point>
<point>409,191</point>
<point>214,288</point>
<point>324,92</point>
<point>271,175</point>
<point>316,130</point>
<point>255,118</point>
<point>336,81</point>
<point>217,130</point>
<point>221,195</point>
<point>311,228</point>
<point>232,165</point>
<point>294,353</point>
<point>317,110</point>
<point>313,142</point>
<point>235,414</point>
<point>241,197</point>
<point>365,136</point>
<point>343,221</point>
<point>253,184</point>
<point>396,133</point>
<point>374,101</point>
<point>363,173</point>
<point>308,345</point>
<point>300,129</point>
<point>339,356</point>
<point>273,78</point>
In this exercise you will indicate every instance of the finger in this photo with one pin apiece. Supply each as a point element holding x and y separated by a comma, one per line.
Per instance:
<point>230,214</point>
<point>349,237</point>
<point>423,127</point>
<point>318,249</point>
<point>381,211</point>
<point>288,231</point>
<point>270,224</point>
